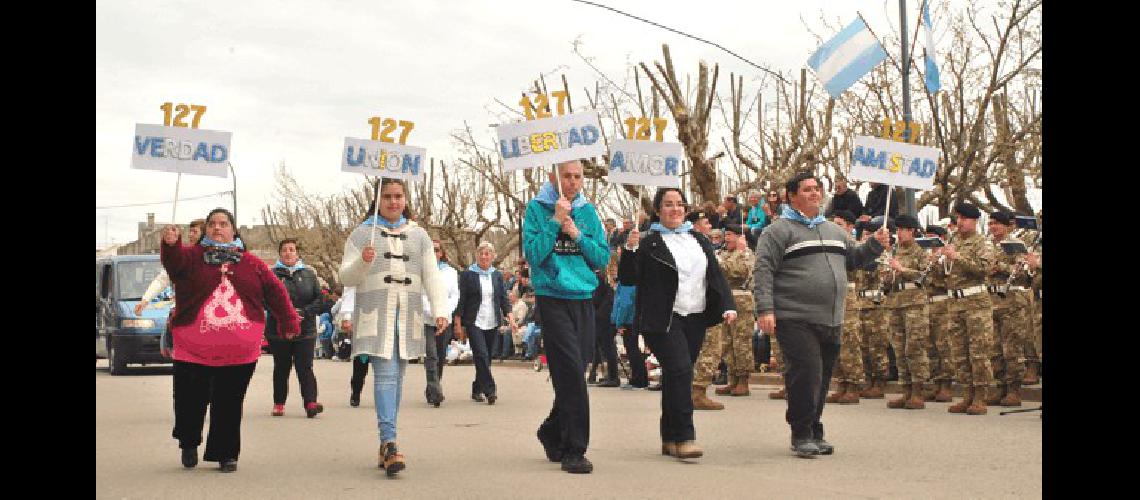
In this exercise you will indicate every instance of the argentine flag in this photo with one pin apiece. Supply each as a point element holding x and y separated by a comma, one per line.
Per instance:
<point>932,81</point>
<point>843,60</point>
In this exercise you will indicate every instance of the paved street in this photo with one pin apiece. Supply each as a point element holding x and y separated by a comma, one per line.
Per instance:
<point>470,450</point>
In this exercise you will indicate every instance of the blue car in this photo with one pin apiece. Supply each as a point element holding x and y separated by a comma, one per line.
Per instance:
<point>120,336</point>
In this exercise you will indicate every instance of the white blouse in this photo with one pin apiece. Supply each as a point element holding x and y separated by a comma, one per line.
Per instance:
<point>691,267</point>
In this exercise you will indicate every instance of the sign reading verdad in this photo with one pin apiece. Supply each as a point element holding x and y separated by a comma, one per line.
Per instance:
<point>181,150</point>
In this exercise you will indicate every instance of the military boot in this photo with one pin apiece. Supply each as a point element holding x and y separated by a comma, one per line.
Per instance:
<point>1013,397</point>
<point>838,395</point>
<point>995,395</point>
<point>932,394</point>
<point>851,397</point>
<point>1030,377</point>
<point>944,395</point>
<point>875,390</point>
<point>780,394</point>
<point>741,387</point>
<point>967,399</point>
<point>901,401</point>
<point>916,401</point>
<point>978,406</point>
<point>701,400</point>
<point>727,389</point>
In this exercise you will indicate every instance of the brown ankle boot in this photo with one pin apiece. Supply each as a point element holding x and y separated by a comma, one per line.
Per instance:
<point>875,390</point>
<point>995,395</point>
<point>901,401</point>
<point>916,401</point>
<point>931,394</point>
<point>727,389</point>
<point>967,399</point>
<point>688,449</point>
<point>701,400</point>
<point>1013,396</point>
<point>851,397</point>
<point>838,395</point>
<point>978,406</point>
<point>741,387</point>
<point>944,394</point>
<point>1030,377</point>
<point>780,394</point>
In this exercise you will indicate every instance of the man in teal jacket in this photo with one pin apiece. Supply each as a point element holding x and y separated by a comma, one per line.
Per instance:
<point>564,242</point>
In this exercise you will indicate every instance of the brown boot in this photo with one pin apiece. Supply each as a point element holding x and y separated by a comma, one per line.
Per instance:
<point>944,395</point>
<point>1013,396</point>
<point>875,390</point>
<point>931,394</point>
<point>701,400</point>
<point>901,401</point>
<point>727,389</point>
<point>741,387</point>
<point>688,449</point>
<point>995,395</point>
<point>1030,377</point>
<point>669,448</point>
<point>978,406</point>
<point>780,394</point>
<point>916,401</point>
<point>838,395</point>
<point>851,397</point>
<point>967,399</point>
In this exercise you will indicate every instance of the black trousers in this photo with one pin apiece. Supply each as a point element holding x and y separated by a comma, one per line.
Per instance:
<point>606,349</point>
<point>676,351</point>
<point>638,375</point>
<point>568,338</point>
<point>481,341</point>
<point>810,351</point>
<point>289,354</point>
<point>432,390</point>
<point>359,371</point>
<point>441,343</point>
<point>222,389</point>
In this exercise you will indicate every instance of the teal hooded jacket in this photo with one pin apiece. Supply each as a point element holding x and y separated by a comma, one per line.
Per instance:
<point>562,267</point>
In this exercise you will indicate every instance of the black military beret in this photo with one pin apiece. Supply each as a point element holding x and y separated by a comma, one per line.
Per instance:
<point>908,222</point>
<point>734,228</point>
<point>696,216</point>
<point>967,210</point>
<point>845,215</point>
<point>1002,216</point>
<point>939,230</point>
<point>877,222</point>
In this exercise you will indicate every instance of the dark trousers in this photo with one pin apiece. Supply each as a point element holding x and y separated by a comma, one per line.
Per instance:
<point>222,388</point>
<point>810,351</point>
<point>432,391</point>
<point>441,343</point>
<point>286,355</point>
<point>567,339</point>
<point>481,340</point>
<point>676,351</point>
<point>504,345</point>
<point>606,349</point>
<point>359,371</point>
<point>638,375</point>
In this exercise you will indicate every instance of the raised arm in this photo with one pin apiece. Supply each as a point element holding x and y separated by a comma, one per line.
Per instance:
<point>175,256</point>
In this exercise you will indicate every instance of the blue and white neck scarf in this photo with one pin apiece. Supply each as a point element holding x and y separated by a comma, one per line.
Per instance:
<point>793,214</point>
<point>682,229</point>
<point>236,243</point>
<point>476,269</point>
<point>548,195</point>
<point>385,222</point>
<point>292,269</point>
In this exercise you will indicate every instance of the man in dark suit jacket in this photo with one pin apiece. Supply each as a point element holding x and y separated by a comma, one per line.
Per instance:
<point>480,321</point>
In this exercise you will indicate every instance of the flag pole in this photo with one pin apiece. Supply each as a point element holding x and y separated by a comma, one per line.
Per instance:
<point>908,207</point>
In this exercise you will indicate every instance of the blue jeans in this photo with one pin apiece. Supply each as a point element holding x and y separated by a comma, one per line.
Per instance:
<point>388,376</point>
<point>533,331</point>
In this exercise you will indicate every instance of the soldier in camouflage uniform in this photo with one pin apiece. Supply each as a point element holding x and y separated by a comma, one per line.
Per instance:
<point>849,370</point>
<point>942,369</point>
<point>1009,290</point>
<point>968,261</point>
<point>875,322</point>
<point>733,341</point>
<point>910,323</point>
<point>1033,341</point>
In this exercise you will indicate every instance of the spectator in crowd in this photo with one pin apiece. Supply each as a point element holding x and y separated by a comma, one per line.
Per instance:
<point>622,318</point>
<point>716,236</point>
<point>510,279</point>
<point>612,232</point>
<point>877,202</point>
<point>844,199</point>
<point>619,236</point>
<point>732,213</point>
<point>325,331</point>
<point>756,218</point>
<point>606,349</point>
<point>384,335</point>
<point>305,294</point>
<point>217,331</point>
<point>772,207</point>
<point>519,310</point>
<point>483,306</point>
<point>437,341</point>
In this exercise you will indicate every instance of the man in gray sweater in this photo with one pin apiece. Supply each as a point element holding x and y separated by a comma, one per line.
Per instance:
<point>801,279</point>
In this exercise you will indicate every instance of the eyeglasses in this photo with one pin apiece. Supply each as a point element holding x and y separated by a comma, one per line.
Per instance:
<point>438,249</point>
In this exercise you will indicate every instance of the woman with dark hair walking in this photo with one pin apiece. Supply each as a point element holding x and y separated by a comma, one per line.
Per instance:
<point>217,328</point>
<point>391,262</point>
<point>675,270</point>
<point>305,293</point>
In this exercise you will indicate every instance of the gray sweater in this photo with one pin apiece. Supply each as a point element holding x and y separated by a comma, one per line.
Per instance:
<point>801,273</point>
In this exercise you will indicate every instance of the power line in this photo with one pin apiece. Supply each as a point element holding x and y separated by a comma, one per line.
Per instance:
<point>699,39</point>
<point>165,202</point>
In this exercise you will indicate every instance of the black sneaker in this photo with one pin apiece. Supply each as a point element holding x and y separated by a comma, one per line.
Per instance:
<point>551,446</point>
<point>805,448</point>
<point>825,448</point>
<point>654,387</point>
<point>189,457</point>
<point>354,401</point>
<point>577,464</point>
<point>477,397</point>
<point>228,465</point>
<point>610,383</point>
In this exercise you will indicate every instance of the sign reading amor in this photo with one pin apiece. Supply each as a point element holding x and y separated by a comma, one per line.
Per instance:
<point>646,163</point>
<point>893,163</point>
<point>383,159</point>
<point>181,150</point>
<point>537,143</point>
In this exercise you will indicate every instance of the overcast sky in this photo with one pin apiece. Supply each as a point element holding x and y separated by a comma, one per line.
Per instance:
<point>291,80</point>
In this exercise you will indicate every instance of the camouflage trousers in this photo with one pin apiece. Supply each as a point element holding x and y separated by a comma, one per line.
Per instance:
<point>939,345</point>
<point>910,337</point>
<point>1033,344</point>
<point>732,342</point>
<point>1011,332</point>
<point>875,323</point>
<point>850,366</point>
<point>971,327</point>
